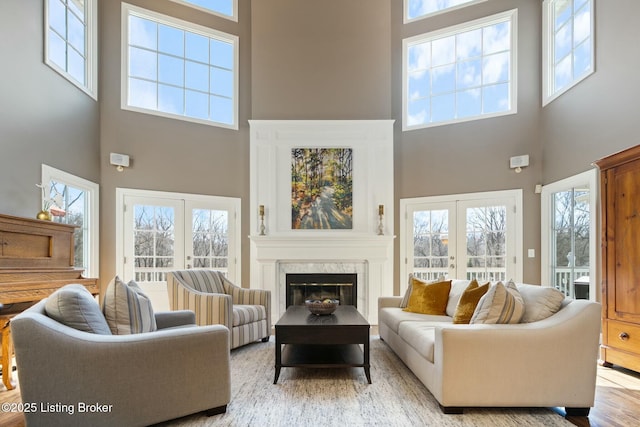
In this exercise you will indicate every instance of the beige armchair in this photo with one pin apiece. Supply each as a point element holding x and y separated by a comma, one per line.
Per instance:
<point>215,300</point>
<point>69,377</point>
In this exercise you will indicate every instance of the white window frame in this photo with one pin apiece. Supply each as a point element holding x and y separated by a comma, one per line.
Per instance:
<point>230,204</point>
<point>91,50</point>
<point>585,179</point>
<point>438,12</point>
<point>232,17</point>
<point>548,53</point>
<point>512,17</point>
<point>92,216</point>
<point>128,10</point>
<point>415,203</point>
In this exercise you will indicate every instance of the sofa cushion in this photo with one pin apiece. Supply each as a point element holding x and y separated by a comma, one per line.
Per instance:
<point>394,316</point>
<point>469,301</point>
<point>74,306</point>
<point>429,298</point>
<point>127,309</point>
<point>457,288</point>
<point>244,314</point>
<point>539,302</point>
<point>420,336</point>
<point>501,304</point>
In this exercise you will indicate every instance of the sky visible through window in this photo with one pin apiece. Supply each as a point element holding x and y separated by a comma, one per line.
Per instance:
<point>419,8</point>
<point>457,76</point>
<point>572,55</point>
<point>180,72</point>
<point>66,37</point>
<point>224,7</point>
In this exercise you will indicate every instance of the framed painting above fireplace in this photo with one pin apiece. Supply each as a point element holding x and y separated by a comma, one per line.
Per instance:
<point>321,188</point>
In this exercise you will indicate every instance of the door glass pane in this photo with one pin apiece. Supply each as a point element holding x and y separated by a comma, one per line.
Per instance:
<point>154,242</point>
<point>431,244</point>
<point>486,243</point>
<point>210,239</point>
<point>570,242</point>
<point>68,205</point>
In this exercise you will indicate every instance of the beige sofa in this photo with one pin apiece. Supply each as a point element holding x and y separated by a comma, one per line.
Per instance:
<point>546,363</point>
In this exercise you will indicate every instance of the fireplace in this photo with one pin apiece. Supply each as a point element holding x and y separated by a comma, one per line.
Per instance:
<point>301,287</point>
<point>279,249</point>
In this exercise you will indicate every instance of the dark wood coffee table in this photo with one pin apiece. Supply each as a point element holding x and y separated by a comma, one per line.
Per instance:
<point>330,341</point>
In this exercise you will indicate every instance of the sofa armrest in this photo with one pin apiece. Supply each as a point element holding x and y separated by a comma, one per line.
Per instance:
<point>548,360</point>
<point>393,301</point>
<point>172,319</point>
<point>142,376</point>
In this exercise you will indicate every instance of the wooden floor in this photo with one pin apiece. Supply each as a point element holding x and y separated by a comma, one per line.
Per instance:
<point>617,401</point>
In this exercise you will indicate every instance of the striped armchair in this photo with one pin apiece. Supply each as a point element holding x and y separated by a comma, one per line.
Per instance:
<point>215,300</point>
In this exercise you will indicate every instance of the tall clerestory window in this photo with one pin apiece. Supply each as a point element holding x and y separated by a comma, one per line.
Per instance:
<point>177,69</point>
<point>71,42</point>
<point>460,73</point>
<point>224,8</point>
<point>419,9</point>
<point>568,45</point>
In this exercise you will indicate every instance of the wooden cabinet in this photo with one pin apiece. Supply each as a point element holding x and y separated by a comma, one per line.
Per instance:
<point>620,200</point>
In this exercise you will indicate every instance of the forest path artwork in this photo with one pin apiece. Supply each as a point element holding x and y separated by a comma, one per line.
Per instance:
<point>321,188</point>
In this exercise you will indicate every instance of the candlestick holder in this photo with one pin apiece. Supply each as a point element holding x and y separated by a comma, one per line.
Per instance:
<point>262,227</point>
<point>380,220</point>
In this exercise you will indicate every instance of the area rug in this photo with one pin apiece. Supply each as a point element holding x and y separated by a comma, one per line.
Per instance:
<point>342,397</point>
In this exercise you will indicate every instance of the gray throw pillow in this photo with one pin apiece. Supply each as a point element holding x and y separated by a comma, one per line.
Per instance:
<point>74,306</point>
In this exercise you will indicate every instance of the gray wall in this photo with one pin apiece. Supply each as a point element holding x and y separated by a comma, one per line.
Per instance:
<point>167,154</point>
<point>305,59</point>
<point>599,116</point>
<point>327,59</point>
<point>474,156</point>
<point>43,117</point>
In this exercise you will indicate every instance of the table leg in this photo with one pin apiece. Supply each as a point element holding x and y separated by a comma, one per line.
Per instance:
<point>366,361</point>
<point>7,352</point>
<point>278,363</point>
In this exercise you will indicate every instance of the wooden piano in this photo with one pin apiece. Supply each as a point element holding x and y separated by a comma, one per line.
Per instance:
<point>36,258</point>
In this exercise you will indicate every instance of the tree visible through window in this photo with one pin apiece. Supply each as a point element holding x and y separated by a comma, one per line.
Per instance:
<point>460,73</point>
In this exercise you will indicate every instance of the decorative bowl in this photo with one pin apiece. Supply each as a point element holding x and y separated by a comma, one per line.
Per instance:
<point>321,307</point>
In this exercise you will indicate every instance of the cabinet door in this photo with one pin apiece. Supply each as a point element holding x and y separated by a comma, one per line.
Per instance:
<point>624,222</point>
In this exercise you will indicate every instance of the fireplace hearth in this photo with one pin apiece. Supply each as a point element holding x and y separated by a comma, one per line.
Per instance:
<point>301,287</point>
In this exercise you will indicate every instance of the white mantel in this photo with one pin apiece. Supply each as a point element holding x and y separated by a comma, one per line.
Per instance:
<point>359,250</point>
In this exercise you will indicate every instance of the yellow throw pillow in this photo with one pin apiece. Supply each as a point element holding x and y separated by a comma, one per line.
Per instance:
<point>429,298</point>
<point>468,301</point>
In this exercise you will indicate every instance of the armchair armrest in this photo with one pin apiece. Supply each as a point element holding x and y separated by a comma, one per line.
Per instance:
<point>209,308</point>
<point>252,297</point>
<point>172,319</point>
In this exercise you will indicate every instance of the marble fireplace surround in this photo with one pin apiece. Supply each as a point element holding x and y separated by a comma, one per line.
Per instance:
<point>360,250</point>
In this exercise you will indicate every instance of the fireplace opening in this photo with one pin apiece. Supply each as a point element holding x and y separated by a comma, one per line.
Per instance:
<point>301,287</point>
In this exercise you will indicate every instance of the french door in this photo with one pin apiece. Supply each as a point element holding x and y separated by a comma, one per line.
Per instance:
<point>162,232</point>
<point>474,236</point>
<point>569,242</point>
